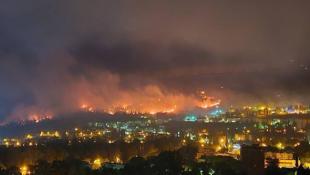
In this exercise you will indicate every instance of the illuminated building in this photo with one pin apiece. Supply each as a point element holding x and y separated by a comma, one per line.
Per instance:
<point>257,158</point>
<point>216,112</point>
<point>190,118</point>
<point>49,134</point>
<point>284,159</point>
<point>11,142</point>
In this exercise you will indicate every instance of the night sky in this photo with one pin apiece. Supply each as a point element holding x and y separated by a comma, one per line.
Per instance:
<point>58,54</point>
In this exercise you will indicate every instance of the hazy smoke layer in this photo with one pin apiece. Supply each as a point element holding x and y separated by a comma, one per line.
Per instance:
<point>58,56</point>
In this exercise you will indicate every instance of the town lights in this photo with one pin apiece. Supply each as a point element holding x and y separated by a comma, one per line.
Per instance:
<point>202,141</point>
<point>29,136</point>
<point>97,163</point>
<point>263,144</point>
<point>117,159</point>
<point>24,170</point>
<point>280,146</point>
<point>218,148</point>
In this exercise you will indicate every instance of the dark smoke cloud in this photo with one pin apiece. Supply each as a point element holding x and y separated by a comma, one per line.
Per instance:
<point>55,53</point>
